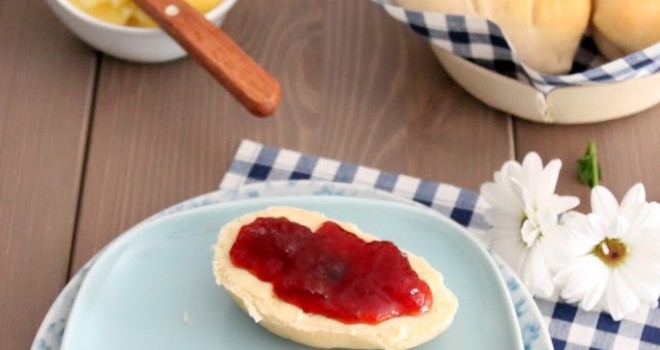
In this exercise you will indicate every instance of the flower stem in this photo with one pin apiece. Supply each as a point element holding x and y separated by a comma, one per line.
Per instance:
<point>594,164</point>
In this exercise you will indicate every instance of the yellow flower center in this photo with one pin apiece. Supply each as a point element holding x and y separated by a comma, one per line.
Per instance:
<point>611,251</point>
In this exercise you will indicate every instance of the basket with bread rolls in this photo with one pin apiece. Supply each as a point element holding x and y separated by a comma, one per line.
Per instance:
<point>550,61</point>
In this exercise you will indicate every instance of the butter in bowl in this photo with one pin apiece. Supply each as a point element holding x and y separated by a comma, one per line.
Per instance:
<point>562,61</point>
<point>127,13</point>
<point>118,28</point>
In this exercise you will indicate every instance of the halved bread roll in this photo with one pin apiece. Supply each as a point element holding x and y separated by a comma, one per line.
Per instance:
<point>544,33</point>
<point>621,27</point>
<point>257,298</point>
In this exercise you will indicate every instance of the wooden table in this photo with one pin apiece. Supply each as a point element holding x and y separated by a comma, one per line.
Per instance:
<point>90,145</point>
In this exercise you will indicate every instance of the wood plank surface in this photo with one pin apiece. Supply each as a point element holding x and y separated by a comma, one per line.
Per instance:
<point>78,169</point>
<point>357,86</point>
<point>46,79</point>
<point>627,150</point>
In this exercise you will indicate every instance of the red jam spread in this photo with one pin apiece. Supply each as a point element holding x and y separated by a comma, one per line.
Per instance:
<point>331,272</point>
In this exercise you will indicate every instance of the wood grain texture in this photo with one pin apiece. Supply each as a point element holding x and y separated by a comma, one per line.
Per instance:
<point>391,104</point>
<point>356,86</point>
<point>46,79</point>
<point>627,151</point>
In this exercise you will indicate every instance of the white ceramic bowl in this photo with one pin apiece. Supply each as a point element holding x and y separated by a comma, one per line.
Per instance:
<point>564,105</point>
<point>128,43</point>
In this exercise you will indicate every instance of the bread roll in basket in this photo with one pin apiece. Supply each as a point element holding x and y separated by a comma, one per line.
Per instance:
<point>530,26</point>
<point>520,56</point>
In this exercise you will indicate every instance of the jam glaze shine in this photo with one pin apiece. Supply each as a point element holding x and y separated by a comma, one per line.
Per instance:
<point>331,272</point>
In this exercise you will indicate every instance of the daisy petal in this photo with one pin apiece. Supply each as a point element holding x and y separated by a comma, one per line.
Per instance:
<point>642,268</point>
<point>618,227</point>
<point>648,289</point>
<point>498,196</point>
<point>530,202</point>
<point>532,167</point>
<point>532,164</point>
<point>508,247</point>
<point>529,232</point>
<point>499,218</point>
<point>634,206</point>
<point>634,196</point>
<point>510,169</point>
<point>580,238</point>
<point>603,202</point>
<point>550,175</point>
<point>652,218</point>
<point>534,272</point>
<point>562,204</point>
<point>598,274</point>
<point>569,282</point>
<point>621,300</point>
<point>584,280</point>
<point>638,217</point>
<point>597,227</point>
<point>547,220</point>
<point>556,250</point>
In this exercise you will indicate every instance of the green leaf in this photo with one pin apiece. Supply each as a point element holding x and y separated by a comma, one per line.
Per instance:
<point>589,172</point>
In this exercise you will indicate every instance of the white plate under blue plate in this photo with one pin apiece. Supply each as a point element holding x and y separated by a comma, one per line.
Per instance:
<point>140,288</point>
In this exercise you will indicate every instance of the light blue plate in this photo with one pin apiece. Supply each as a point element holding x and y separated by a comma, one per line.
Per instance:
<point>153,288</point>
<point>530,321</point>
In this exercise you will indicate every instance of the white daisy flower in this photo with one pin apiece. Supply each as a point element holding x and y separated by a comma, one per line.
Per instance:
<point>615,255</point>
<point>524,213</point>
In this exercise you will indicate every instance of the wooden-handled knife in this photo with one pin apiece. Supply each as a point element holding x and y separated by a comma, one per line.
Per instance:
<point>214,50</point>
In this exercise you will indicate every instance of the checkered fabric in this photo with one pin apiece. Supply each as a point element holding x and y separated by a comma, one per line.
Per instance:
<point>570,328</point>
<point>482,42</point>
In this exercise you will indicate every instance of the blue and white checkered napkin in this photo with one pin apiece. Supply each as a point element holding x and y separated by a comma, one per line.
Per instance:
<point>482,42</point>
<point>569,327</point>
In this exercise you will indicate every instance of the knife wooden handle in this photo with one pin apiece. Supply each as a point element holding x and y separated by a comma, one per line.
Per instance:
<point>252,86</point>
